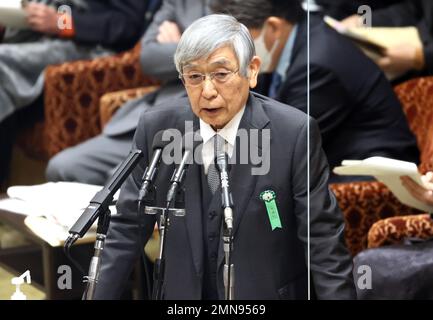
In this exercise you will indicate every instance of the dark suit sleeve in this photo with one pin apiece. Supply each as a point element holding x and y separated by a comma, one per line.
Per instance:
<point>328,99</point>
<point>157,58</point>
<point>118,26</point>
<point>330,261</point>
<point>397,15</point>
<point>428,57</point>
<point>410,13</point>
<point>122,247</point>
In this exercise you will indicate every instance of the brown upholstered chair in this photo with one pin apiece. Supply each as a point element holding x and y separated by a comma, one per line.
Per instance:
<point>395,229</point>
<point>72,95</point>
<point>364,203</point>
<point>112,101</point>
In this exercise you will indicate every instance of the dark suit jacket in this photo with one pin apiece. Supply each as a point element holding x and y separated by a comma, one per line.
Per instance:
<point>268,264</point>
<point>116,24</point>
<point>358,114</point>
<point>340,9</point>
<point>418,13</point>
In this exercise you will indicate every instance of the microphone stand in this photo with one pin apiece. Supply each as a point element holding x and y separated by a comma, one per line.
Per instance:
<point>99,209</point>
<point>164,223</point>
<point>148,200</point>
<point>176,196</point>
<point>227,205</point>
<point>95,263</point>
<point>229,271</point>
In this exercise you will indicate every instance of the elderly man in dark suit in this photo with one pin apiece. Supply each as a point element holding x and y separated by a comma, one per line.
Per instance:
<point>358,114</point>
<point>87,29</point>
<point>216,61</point>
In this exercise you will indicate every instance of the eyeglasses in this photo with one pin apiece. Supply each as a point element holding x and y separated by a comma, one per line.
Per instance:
<point>194,79</point>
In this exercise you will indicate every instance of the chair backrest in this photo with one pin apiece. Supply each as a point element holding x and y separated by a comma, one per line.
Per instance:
<point>416,98</point>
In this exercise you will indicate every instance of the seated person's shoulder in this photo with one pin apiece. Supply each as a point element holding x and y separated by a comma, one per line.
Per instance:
<point>330,49</point>
<point>282,115</point>
<point>168,108</point>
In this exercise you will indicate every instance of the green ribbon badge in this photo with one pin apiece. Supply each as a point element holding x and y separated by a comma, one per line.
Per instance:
<point>269,197</point>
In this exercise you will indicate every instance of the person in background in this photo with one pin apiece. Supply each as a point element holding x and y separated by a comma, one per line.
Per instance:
<point>358,114</point>
<point>95,160</point>
<point>340,9</point>
<point>405,58</point>
<point>93,28</point>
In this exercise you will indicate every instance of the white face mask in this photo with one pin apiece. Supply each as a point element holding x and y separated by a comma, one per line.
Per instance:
<point>264,54</point>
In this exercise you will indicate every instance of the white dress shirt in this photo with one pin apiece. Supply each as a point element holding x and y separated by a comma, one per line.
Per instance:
<point>228,133</point>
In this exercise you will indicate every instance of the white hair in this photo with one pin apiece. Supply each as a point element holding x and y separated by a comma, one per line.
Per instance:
<point>212,32</point>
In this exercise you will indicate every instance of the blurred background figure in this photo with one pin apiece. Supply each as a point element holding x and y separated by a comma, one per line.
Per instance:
<point>93,161</point>
<point>340,9</point>
<point>357,111</point>
<point>405,57</point>
<point>94,28</point>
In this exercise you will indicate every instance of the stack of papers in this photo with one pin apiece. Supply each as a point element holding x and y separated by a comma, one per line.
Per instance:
<point>387,171</point>
<point>52,208</point>
<point>12,14</point>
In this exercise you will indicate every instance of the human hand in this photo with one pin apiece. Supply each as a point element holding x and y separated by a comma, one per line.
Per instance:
<point>401,59</point>
<point>168,33</point>
<point>422,193</point>
<point>42,18</point>
<point>352,21</point>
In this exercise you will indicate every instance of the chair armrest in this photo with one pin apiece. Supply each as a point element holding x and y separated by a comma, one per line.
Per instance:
<point>414,96</point>
<point>111,102</point>
<point>362,204</point>
<point>73,90</point>
<point>395,229</point>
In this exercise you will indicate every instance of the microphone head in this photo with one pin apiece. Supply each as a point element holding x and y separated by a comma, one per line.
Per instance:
<point>158,141</point>
<point>222,162</point>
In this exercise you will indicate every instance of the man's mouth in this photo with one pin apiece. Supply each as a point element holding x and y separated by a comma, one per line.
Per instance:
<point>211,111</point>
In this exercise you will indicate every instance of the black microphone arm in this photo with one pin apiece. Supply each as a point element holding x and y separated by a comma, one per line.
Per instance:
<point>101,201</point>
<point>179,173</point>
<point>226,196</point>
<point>150,173</point>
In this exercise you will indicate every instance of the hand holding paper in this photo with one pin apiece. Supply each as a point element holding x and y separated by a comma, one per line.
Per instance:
<point>422,193</point>
<point>396,50</point>
<point>389,172</point>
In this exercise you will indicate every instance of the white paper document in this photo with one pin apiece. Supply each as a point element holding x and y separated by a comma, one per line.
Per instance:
<point>52,208</point>
<point>387,171</point>
<point>12,14</point>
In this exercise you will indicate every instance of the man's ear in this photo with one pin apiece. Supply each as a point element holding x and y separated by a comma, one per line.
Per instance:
<point>253,71</point>
<point>274,27</point>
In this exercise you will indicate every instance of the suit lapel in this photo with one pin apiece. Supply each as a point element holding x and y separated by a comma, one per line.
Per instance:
<point>241,179</point>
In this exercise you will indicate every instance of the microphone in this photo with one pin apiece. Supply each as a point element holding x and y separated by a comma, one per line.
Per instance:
<point>226,196</point>
<point>179,173</point>
<point>100,202</point>
<point>150,173</point>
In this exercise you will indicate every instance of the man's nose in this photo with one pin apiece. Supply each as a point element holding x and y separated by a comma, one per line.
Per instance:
<point>209,90</point>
